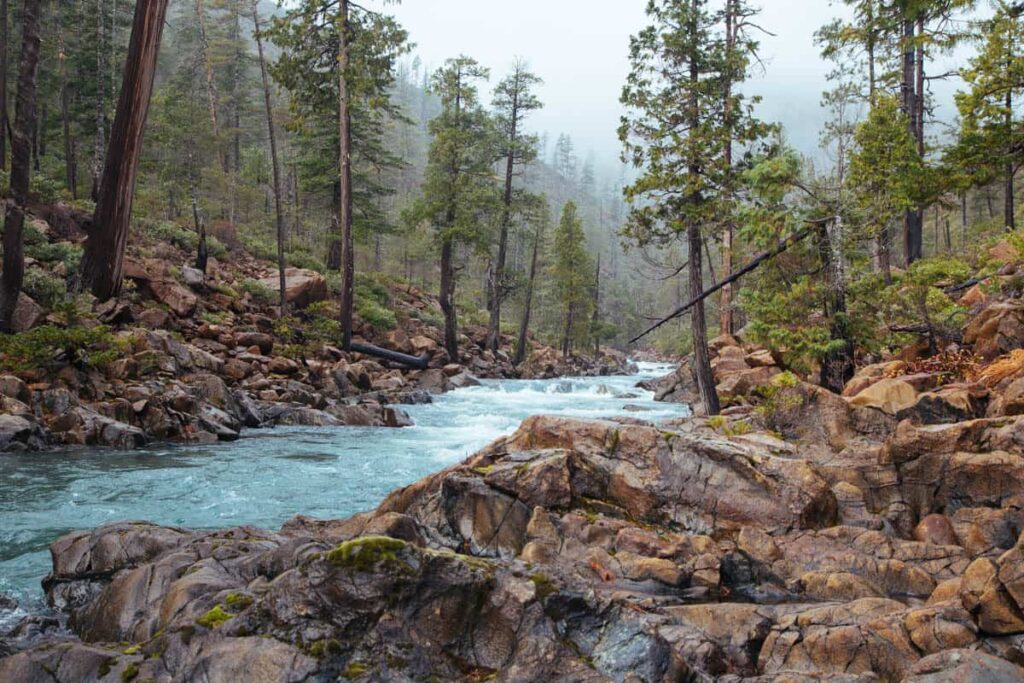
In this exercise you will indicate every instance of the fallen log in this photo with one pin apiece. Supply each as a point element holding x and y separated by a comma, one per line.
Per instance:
<point>753,265</point>
<point>416,362</point>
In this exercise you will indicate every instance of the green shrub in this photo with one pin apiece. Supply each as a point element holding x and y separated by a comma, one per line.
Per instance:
<point>376,315</point>
<point>301,258</point>
<point>79,345</point>
<point>372,303</point>
<point>46,289</point>
<point>185,239</point>
<point>430,317</point>
<point>259,291</point>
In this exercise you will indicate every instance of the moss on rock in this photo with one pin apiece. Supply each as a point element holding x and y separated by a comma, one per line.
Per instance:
<point>366,552</point>
<point>214,618</point>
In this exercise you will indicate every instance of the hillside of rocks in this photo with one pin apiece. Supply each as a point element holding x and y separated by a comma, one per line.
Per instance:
<point>187,356</point>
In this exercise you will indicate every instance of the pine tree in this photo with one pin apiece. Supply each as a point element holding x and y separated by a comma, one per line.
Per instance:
<point>572,273</point>
<point>513,101</point>
<point>994,85</point>
<point>338,62</point>
<point>460,195</point>
<point>676,131</point>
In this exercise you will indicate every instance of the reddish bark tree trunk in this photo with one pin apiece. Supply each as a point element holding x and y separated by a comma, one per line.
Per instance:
<point>21,152</point>
<point>103,259</point>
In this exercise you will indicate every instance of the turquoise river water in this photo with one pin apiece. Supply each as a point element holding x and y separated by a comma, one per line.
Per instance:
<point>269,476</point>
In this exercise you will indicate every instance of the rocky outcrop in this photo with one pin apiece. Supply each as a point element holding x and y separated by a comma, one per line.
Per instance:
<point>575,550</point>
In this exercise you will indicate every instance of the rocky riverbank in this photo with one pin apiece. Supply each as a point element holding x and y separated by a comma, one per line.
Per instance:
<point>845,545</point>
<point>187,356</point>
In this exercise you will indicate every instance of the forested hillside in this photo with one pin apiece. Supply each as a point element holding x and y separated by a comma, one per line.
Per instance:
<point>257,143</point>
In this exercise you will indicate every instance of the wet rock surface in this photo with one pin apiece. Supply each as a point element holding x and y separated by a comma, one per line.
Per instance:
<point>583,550</point>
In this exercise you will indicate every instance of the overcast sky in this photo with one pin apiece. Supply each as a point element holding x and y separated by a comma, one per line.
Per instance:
<point>580,49</point>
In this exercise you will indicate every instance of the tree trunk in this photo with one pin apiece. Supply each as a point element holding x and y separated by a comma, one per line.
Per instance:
<point>725,312</point>
<point>447,298</point>
<point>99,139</point>
<point>570,318</point>
<point>595,324</point>
<point>524,324</point>
<point>3,83</point>
<point>701,354</point>
<point>1008,207</point>
<point>912,218</point>
<point>14,259</point>
<point>70,161</point>
<point>698,321</point>
<point>197,221</point>
<point>211,87</point>
<point>498,280</point>
<point>837,367</point>
<point>278,205</point>
<point>348,269</point>
<point>103,259</point>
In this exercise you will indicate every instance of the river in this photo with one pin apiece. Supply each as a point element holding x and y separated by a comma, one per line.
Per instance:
<point>269,476</point>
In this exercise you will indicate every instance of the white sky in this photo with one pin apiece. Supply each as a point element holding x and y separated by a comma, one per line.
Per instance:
<point>580,48</point>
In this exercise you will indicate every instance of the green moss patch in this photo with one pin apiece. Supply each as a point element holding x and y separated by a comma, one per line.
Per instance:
<point>238,601</point>
<point>130,672</point>
<point>214,618</point>
<point>354,670</point>
<point>543,585</point>
<point>365,553</point>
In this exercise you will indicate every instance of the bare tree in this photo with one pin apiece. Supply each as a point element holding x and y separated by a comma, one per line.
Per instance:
<point>278,206</point>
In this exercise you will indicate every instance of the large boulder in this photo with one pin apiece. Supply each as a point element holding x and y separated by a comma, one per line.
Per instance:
<point>695,483</point>
<point>302,287</point>
<point>890,395</point>
<point>21,433</point>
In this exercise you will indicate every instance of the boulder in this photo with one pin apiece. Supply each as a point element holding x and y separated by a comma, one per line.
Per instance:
<point>951,403</point>
<point>193,277</point>
<point>937,530</point>
<point>21,433</point>
<point>27,314</point>
<point>177,298</point>
<point>302,287</point>
<point>890,395</point>
<point>997,330</point>
<point>964,666</point>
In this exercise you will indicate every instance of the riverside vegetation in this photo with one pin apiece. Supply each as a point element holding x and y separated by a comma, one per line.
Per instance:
<point>845,505</point>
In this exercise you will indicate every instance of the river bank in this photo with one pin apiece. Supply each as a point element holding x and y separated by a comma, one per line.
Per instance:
<point>267,476</point>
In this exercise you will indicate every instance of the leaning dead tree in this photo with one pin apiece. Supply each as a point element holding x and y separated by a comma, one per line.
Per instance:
<point>103,260</point>
<point>754,264</point>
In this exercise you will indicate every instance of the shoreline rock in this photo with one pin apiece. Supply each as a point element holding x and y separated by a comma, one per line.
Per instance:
<point>585,550</point>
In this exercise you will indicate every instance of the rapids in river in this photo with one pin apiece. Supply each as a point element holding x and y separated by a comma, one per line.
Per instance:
<point>269,476</point>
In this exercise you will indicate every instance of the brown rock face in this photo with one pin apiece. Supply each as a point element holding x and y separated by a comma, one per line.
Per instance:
<point>998,329</point>
<point>936,530</point>
<point>575,550</point>
<point>888,395</point>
